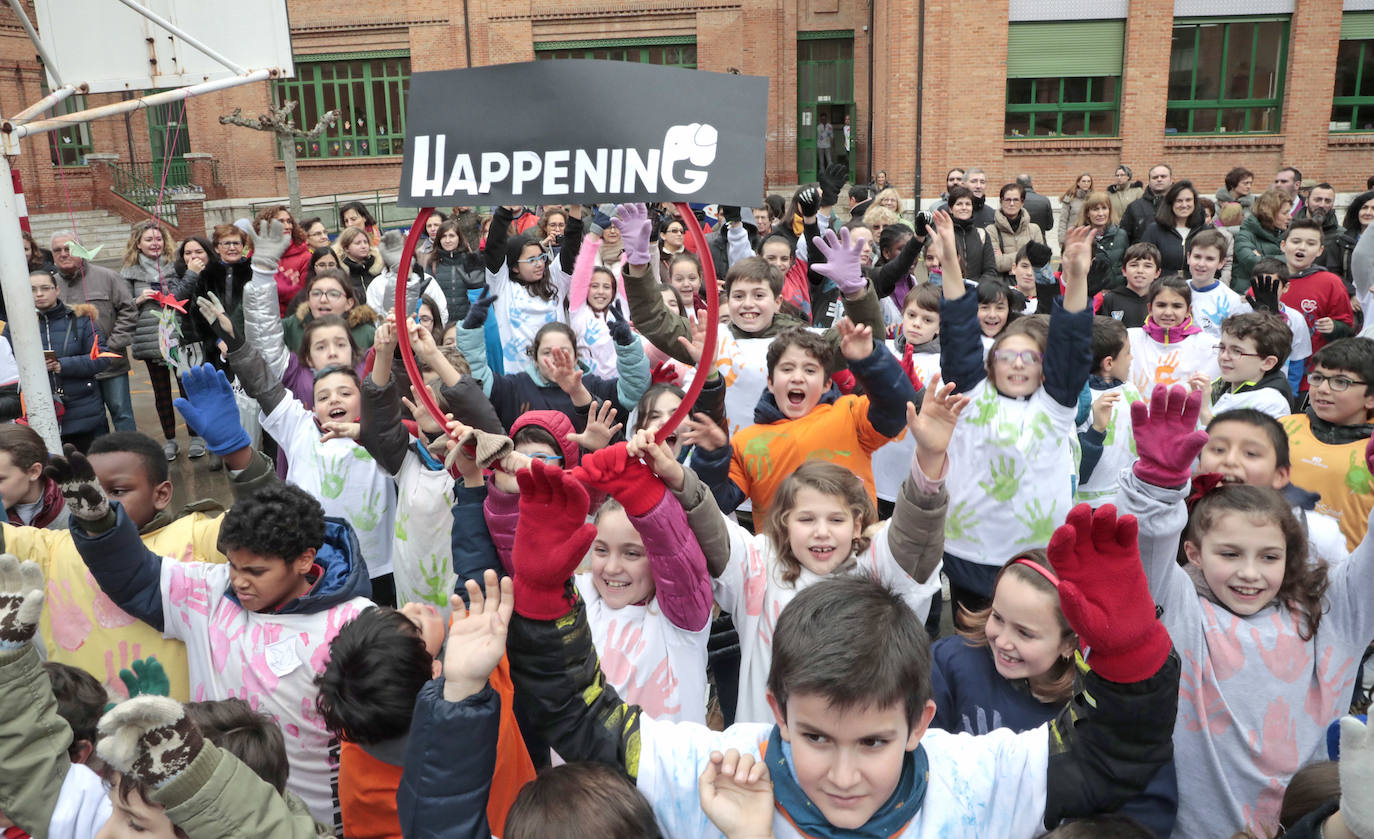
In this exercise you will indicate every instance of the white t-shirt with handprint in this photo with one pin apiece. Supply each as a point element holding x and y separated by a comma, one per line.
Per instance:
<point>423,551</point>
<point>892,462</point>
<point>752,590</point>
<point>519,314</point>
<point>269,661</point>
<point>1118,449</point>
<point>649,661</point>
<point>1170,364</point>
<point>1011,474</point>
<point>344,478</point>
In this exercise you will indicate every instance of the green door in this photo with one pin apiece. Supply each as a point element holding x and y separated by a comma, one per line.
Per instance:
<point>168,131</point>
<point>825,88</point>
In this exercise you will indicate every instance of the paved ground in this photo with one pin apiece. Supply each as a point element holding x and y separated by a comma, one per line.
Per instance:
<point>191,479</point>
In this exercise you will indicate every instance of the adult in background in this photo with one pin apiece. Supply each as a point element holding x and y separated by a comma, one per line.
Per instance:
<point>825,136</point>
<point>201,270</point>
<point>1260,235</point>
<point>116,317</point>
<point>1071,204</point>
<point>356,214</point>
<point>295,263</point>
<point>316,235</point>
<point>1239,181</point>
<point>977,182</point>
<point>1358,217</point>
<point>1123,191</point>
<point>1141,213</point>
<point>971,242</point>
<point>1321,208</point>
<point>1177,217</point>
<point>1109,243</point>
<point>860,199</point>
<point>1289,179</point>
<point>1037,206</point>
<point>1012,229</point>
<point>954,177</point>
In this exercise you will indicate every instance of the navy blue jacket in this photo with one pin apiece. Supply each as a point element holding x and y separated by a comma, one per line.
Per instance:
<point>70,335</point>
<point>473,550</point>
<point>971,696</point>
<point>131,574</point>
<point>450,758</point>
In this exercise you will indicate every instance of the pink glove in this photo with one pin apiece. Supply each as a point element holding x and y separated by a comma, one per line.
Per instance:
<point>551,539</point>
<point>624,478</point>
<point>1104,594</point>
<point>632,220</point>
<point>841,265</point>
<point>1166,436</point>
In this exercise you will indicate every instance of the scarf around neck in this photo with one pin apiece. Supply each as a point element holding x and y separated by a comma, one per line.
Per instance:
<point>1170,335</point>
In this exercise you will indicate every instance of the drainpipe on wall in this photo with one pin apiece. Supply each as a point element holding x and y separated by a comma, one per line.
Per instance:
<point>920,95</point>
<point>868,138</point>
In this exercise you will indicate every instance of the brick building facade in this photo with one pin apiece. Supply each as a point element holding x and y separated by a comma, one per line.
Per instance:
<point>991,83</point>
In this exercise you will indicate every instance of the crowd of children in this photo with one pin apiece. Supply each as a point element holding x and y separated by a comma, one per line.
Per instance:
<point>1142,500</point>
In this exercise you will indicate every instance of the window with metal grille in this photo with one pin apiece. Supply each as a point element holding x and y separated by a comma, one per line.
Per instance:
<point>1064,78</point>
<point>666,51</point>
<point>369,91</point>
<point>1226,76</point>
<point>1352,109</point>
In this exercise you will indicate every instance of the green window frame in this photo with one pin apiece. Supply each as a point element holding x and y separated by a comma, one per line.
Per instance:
<point>1226,75</point>
<point>69,145</point>
<point>666,51</point>
<point>1064,79</point>
<point>369,90</point>
<point>1352,107</point>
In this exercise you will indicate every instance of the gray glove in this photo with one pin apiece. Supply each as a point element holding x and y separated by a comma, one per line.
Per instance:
<point>76,479</point>
<point>392,246</point>
<point>21,601</point>
<point>269,243</point>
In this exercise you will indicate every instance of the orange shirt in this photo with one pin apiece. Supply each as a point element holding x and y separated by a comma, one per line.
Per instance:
<point>1337,472</point>
<point>764,455</point>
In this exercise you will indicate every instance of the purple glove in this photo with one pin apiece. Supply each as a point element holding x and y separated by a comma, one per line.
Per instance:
<point>1167,438</point>
<point>841,264</point>
<point>632,220</point>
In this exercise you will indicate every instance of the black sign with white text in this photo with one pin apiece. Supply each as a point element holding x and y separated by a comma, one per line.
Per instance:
<point>582,131</point>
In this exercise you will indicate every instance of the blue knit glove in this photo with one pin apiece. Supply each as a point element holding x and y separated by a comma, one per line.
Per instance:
<point>210,410</point>
<point>619,328</point>
<point>477,312</point>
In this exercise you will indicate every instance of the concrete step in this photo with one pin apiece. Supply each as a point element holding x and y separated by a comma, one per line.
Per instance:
<point>95,227</point>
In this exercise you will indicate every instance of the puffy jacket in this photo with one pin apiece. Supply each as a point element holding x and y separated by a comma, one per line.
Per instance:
<point>361,320</point>
<point>1038,208</point>
<point>67,331</point>
<point>974,245</point>
<point>1139,214</point>
<point>1254,241</point>
<point>361,273</point>
<point>147,275</point>
<point>116,315</point>
<point>1224,196</point>
<point>1006,242</point>
<point>1173,254</point>
<point>457,273</point>
<point>292,267</point>
<point>1109,249</point>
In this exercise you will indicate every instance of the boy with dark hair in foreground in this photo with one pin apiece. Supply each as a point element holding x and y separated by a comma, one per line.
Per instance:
<point>850,692</point>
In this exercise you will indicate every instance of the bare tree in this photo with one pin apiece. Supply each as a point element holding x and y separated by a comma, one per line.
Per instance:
<point>278,121</point>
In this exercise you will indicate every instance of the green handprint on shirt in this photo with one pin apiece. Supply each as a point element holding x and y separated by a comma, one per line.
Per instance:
<point>1005,481</point>
<point>758,456</point>
<point>371,513</point>
<point>959,524</point>
<point>400,529</point>
<point>1039,523</point>
<point>436,580</point>
<point>333,470</point>
<point>362,454</point>
<point>1357,477</point>
<point>985,408</point>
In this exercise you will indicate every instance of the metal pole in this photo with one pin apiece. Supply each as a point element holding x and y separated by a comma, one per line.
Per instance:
<point>44,125</point>
<point>48,64</point>
<point>23,318</point>
<point>190,40</point>
<point>45,103</point>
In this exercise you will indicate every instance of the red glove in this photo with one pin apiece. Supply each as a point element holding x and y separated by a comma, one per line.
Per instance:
<point>1104,595</point>
<point>551,538</point>
<point>624,478</point>
<point>1166,436</point>
<point>664,372</point>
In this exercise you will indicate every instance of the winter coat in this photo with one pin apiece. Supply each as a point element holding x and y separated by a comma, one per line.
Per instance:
<point>67,331</point>
<point>1337,254</point>
<point>361,273</point>
<point>1070,208</point>
<point>116,316</point>
<point>1006,242</point>
<point>975,247</point>
<point>1121,197</point>
<point>219,278</point>
<point>457,273</point>
<point>361,320</point>
<point>147,275</point>
<point>292,268</point>
<point>1038,208</point>
<point>381,294</point>
<point>1254,241</point>
<point>1109,250</point>
<point>1173,253</point>
<point>1139,215</point>
<point>1224,196</point>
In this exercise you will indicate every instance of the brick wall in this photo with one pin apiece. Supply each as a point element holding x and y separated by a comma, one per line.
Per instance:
<point>961,83</point>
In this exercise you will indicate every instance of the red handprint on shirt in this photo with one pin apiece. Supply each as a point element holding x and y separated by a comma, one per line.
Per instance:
<point>188,593</point>
<point>334,621</point>
<point>617,659</point>
<point>1290,656</point>
<point>1199,698</point>
<point>126,659</point>
<point>1224,648</point>
<point>1276,746</point>
<point>225,628</point>
<point>656,694</point>
<point>755,582</point>
<point>1330,687</point>
<point>107,614</point>
<point>70,626</point>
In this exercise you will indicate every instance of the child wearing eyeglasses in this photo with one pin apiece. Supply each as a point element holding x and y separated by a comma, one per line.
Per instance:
<point>1327,441</point>
<point>1017,436</point>
<point>529,288</point>
<point>1251,355</point>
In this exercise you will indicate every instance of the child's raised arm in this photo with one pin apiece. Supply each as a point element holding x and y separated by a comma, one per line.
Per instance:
<point>703,514</point>
<point>916,534</point>
<point>1068,358</point>
<point>675,559</point>
<point>261,311</point>
<point>888,387</point>
<point>962,360</point>
<point>212,413</point>
<point>737,795</point>
<point>631,364</point>
<point>650,314</point>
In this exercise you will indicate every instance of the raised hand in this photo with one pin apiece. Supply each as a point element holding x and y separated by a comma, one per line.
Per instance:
<point>696,345</point>
<point>809,202</point>
<point>477,641</point>
<point>832,181</point>
<point>1077,255</point>
<point>632,220</point>
<point>146,678</point>
<point>212,310</point>
<point>211,411</point>
<point>659,457</point>
<point>76,479</point>
<point>477,312</point>
<point>856,339</point>
<point>841,265</point>
<point>1265,287</point>
<point>933,427</point>
<point>269,243</point>
<point>600,429</point>
<point>1167,438</point>
<point>21,601</point>
<point>421,339</point>
<point>384,339</point>
<point>737,795</point>
<point>566,372</point>
<point>702,431</point>
<point>337,430</point>
<point>1102,409</point>
<point>1104,594</point>
<point>551,539</point>
<point>618,326</point>
<point>624,478</point>
<point>149,738</point>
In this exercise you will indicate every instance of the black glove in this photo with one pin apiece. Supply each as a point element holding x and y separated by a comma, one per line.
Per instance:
<point>620,329</point>
<point>730,214</point>
<point>809,201</point>
<point>477,312</point>
<point>921,224</point>
<point>832,181</point>
<point>1266,291</point>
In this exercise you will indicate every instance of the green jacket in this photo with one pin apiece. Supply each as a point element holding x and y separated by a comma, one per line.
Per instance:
<point>1253,242</point>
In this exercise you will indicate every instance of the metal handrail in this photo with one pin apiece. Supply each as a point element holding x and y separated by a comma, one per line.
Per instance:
<point>382,204</point>
<point>142,184</point>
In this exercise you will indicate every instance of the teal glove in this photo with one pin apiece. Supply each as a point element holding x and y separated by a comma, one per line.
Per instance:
<point>147,678</point>
<point>210,410</point>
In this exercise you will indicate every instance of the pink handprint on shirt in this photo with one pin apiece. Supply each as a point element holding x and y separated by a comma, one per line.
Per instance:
<point>126,659</point>
<point>1276,746</point>
<point>1331,684</point>
<point>1224,648</point>
<point>755,582</point>
<point>188,593</point>
<point>1290,656</point>
<point>334,621</point>
<point>617,659</point>
<point>225,628</point>
<point>70,626</point>
<point>658,691</point>
<point>107,614</point>
<point>766,624</point>
<point>1199,698</point>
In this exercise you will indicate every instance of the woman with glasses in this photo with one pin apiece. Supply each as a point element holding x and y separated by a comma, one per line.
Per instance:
<point>530,289</point>
<point>326,294</point>
<point>201,269</point>
<point>1011,230</point>
<point>671,242</point>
